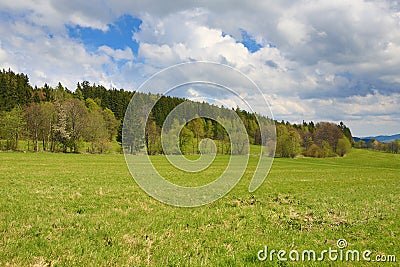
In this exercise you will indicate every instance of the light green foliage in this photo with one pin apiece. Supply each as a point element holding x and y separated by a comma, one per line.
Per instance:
<point>152,138</point>
<point>197,127</point>
<point>343,146</point>
<point>111,123</point>
<point>41,118</point>
<point>101,126</point>
<point>86,210</point>
<point>326,150</point>
<point>314,151</point>
<point>209,129</point>
<point>92,105</point>
<point>186,137</point>
<point>12,124</point>
<point>287,142</point>
<point>77,119</point>
<point>360,144</point>
<point>95,130</point>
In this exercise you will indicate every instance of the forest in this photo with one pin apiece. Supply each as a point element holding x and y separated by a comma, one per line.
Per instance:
<point>89,120</point>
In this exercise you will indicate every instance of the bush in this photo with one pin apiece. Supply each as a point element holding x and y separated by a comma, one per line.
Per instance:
<point>327,150</point>
<point>343,146</point>
<point>313,151</point>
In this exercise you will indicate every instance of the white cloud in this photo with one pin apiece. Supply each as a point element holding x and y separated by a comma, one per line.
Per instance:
<point>193,93</point>
<point>372,104</point>
<point>320,60</point>
<point>48,59</point>
<point>360,112</point>
<point>294,31</point>
<point>158,55</point>
<point>3,53</point>
<point>117,54</point>
<point>181,37</point>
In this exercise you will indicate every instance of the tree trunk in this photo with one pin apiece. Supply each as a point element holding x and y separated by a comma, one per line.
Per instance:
<point>36,142</point>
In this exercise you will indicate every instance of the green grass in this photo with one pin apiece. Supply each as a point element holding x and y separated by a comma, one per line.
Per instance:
<point>86,210</point>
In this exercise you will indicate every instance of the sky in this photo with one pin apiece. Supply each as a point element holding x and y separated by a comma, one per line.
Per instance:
<point>313,60</point>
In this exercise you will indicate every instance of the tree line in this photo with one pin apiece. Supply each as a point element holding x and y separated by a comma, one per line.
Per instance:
<point>320,140</point>
<point>89,119</point>
<point>52,119</point>
<point>191,129</point>
<point>390,147</point>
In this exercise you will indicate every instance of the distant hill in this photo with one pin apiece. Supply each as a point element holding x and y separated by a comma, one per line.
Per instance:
<point>380,138</point>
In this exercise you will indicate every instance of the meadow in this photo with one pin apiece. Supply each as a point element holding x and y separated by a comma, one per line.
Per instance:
<point>86,210</point>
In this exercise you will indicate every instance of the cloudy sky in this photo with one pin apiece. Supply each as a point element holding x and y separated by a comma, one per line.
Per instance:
<point>314,60</point>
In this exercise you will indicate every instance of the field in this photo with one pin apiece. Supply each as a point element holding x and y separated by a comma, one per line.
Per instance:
<point>86,210</point>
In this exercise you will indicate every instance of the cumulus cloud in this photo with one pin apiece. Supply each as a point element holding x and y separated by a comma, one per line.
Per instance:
<point>47,58</point>
<point>117,54</point>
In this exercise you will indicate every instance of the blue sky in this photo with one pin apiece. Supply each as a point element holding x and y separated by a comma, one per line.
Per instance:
<point>325,60</point>
<point>119,34</point>
<point>249,42</point>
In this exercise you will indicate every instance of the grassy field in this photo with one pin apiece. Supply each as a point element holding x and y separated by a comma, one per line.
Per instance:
<point>86,210</point>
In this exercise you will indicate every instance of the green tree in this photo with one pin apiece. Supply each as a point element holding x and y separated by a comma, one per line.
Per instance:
<point>35,121</point>
<point>92,105</point>
<point>41,118</point>
<point>329,132</point>
<point>223,139</point>
<point>78,93</point>
<point>394,146</point>
<point>346,131</point>
<point>209,129</point>
<point>95,130</point>
<point>343,146</point>
<point>60,93</point>
<point>327,150</point>
<point>314,151</point>
<point>76,121</point>
<point>112,124</point>
<point>12,124</point>
<point>14,90</point>
<point>170,138</point>
<point>360,144</point>
<point>152,136</point>
<point>133,132</point>
<point>61,135</point>
<point>49,114</point>
<point>197,127</point>
<point>287,142</point>
<point>186,137</point>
